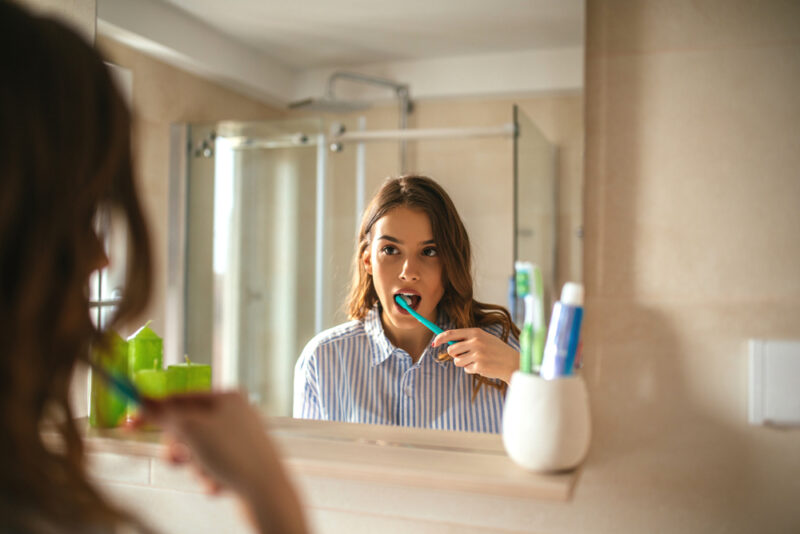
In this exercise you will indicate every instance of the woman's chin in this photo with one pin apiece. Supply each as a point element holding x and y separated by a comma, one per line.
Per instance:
<point>407,321</point>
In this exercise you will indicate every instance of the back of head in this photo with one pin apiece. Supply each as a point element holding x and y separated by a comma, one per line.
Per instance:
<point>64,157</point>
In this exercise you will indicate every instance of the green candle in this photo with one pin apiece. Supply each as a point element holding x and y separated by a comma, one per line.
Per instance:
<point>106,406</point>
<point>151,382</point>
<point>145,352</point>
<point>189,377</point>
<point>176,379</point>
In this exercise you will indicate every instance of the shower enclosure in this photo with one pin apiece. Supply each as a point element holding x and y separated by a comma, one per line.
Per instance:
<point>263,219</point>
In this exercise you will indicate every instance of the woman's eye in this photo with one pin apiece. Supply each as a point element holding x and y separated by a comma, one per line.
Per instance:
<point>389,250</point>
<point>430,252</point>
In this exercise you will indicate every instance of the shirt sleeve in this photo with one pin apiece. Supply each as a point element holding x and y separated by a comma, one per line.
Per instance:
<point>306,386</point>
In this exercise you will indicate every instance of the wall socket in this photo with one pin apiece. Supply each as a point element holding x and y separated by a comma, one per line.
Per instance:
<point>774,382</point>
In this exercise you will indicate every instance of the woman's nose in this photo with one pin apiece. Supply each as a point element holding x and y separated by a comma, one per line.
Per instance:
<point>409,271</point>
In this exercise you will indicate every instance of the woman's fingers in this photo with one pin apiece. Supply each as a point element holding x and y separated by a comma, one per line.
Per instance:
<point>459,334</point>
<point>465,360</point>
<point>177,453</point>
<point>479,352</point>
<point>471,368</point>
<point>459,349</point>
<point>211,485</point>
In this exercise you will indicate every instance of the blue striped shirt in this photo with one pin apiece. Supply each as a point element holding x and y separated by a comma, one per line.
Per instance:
<point>353,373</point>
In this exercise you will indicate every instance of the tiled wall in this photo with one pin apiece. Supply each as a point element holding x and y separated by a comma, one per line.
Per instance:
<point>692,247</point>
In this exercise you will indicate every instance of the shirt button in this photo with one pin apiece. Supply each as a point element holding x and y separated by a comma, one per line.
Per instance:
<point>408,391</point>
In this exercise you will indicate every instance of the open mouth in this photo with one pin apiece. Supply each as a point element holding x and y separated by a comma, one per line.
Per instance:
<point>412,299</point>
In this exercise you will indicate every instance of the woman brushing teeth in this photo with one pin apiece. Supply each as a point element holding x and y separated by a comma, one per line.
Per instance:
<point>381,367</point>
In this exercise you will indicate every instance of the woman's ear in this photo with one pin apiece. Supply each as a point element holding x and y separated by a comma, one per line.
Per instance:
<point>366,259</point>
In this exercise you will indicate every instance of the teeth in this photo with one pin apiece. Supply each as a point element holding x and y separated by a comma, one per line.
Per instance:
<point>410,298</point>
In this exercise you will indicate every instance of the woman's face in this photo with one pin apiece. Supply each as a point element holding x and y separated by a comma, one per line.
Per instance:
<point>403,259</point>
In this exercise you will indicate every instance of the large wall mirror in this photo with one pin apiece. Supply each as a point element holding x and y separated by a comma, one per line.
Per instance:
<point>263,214</point>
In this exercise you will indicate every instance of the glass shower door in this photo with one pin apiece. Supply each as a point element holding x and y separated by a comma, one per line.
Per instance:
<point>535,201</point>
<point>251,237</point>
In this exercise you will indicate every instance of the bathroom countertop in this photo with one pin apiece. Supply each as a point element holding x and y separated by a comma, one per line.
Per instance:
<point>418,458</point>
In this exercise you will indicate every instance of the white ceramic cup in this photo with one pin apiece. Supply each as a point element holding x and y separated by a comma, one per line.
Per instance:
<point>546,423</point>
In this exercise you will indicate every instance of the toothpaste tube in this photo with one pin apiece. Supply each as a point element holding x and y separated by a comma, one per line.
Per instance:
<point>564,333</point>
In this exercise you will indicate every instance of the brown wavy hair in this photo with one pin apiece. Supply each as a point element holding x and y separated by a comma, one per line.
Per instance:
<point>65,155</point>
<point>454,251</point>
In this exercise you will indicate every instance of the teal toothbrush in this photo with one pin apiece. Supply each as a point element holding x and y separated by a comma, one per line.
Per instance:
<point>429,325</point>
<point>120,383</point>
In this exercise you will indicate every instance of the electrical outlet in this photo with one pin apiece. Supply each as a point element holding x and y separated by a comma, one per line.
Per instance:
<point>774,382</point>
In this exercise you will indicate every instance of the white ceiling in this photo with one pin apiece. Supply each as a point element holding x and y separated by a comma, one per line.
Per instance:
<point>284,50</point>
<point>308,34</point>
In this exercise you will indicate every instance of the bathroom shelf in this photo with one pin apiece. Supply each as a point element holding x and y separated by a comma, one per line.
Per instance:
<point>397,456</point>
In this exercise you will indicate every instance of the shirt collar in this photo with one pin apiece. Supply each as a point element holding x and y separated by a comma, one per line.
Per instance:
<point>384,348</point>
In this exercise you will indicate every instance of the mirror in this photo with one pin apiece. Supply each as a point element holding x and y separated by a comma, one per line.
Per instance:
<point>268,260</point>
<point>263,222</point>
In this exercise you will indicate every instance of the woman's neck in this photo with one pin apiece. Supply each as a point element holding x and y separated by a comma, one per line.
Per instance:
<point>412,340</point>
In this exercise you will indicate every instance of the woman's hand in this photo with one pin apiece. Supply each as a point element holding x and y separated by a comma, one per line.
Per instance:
<point>479,352</point>
<point>225,439</point>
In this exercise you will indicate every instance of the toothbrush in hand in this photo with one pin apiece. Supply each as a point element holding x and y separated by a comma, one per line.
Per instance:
<point>120,383</point>
<point>429,325</point>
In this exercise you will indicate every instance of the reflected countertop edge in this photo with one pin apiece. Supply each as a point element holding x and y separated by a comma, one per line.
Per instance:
<point>400,456</point>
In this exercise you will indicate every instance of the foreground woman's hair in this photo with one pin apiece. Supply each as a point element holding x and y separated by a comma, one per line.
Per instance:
<point>64,156</point>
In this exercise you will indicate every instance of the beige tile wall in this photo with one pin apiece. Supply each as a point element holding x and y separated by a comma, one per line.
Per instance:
<point>692,196</point>
<point>163,95</point>
<point>479,176</point>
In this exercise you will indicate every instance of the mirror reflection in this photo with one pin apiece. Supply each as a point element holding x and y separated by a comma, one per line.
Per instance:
<point>266,215</point>
<point>273,217</point>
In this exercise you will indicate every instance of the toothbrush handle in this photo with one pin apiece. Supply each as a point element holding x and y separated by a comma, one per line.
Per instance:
<point>122,384</point>
<point>429,325</point>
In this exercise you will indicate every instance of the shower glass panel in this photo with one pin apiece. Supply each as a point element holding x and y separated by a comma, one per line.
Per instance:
<point>251,246</point>
<point>535,201</point>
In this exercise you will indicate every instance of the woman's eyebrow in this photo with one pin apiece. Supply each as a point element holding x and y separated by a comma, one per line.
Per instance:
<point>390,238</point>
<point>395,240</point>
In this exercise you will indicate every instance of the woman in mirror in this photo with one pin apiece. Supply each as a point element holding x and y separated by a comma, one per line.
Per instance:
<point>384,366</point>
<point>65,157</point>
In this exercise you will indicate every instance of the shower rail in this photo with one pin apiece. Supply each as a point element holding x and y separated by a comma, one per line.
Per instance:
<point>504,130</point>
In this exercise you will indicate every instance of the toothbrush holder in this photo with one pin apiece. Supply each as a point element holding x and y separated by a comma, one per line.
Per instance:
<point>546,423</point>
